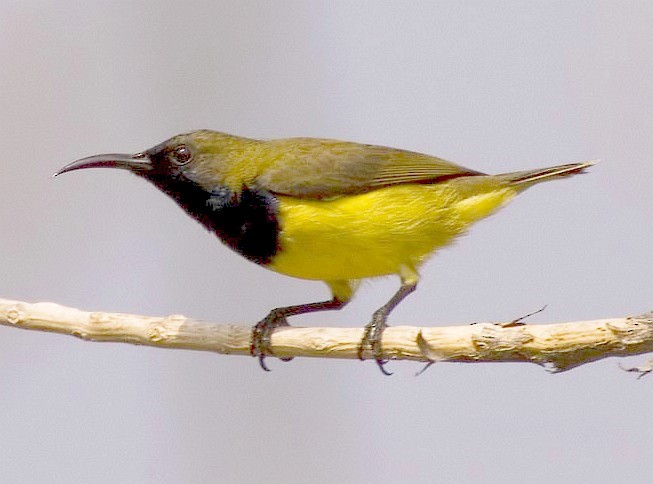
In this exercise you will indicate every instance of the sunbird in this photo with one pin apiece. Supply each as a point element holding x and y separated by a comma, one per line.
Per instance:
<point>323,209</point>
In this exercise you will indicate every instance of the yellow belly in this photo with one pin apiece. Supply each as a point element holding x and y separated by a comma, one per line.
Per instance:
<point>375,233</point>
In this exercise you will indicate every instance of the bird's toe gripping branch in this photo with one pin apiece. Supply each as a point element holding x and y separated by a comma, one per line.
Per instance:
<point>372,340</point>
<point>374,329</point>
<point>261,345</point>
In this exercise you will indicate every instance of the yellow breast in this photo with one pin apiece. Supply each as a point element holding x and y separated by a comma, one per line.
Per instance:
<point>375,233</point>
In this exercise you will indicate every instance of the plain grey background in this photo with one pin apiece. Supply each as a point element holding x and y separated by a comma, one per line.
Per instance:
<point>497,86</point>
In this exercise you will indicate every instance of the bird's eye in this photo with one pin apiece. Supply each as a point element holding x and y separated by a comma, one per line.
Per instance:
<point>181,155</point>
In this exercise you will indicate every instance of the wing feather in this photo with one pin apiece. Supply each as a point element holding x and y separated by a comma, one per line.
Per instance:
<point>319,168</point>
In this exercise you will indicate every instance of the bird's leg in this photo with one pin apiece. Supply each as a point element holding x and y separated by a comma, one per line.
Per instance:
<point>374,329</point>
<point>262,331</point>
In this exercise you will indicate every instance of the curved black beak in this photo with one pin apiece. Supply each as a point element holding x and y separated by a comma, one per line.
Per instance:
<point>137,163</point>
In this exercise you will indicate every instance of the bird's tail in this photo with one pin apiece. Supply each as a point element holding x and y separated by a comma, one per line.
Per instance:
<point>531,177</point>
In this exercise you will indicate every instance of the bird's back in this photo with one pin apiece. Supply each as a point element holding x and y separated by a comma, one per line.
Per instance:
<point>322,168</point>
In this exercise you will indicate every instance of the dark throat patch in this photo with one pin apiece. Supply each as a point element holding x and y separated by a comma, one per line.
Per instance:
<point>247,222</point>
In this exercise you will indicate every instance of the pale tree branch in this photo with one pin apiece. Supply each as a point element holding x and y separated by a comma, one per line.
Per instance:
<point>558,347</point>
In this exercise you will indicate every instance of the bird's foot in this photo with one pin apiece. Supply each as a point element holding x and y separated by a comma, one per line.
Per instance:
<point>261,345</point>
<point>372,340</point>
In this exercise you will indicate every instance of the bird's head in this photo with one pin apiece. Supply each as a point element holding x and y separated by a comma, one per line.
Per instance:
<point>200,157</point>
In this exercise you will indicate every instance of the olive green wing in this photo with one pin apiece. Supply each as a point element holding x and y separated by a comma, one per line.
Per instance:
<point>319,168</point>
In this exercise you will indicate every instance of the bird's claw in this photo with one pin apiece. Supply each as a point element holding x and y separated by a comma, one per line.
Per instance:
<point>261,345</point>
<point>372,339</point>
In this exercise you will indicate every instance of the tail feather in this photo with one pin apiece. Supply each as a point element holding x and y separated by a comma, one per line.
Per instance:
<point>543,174</point>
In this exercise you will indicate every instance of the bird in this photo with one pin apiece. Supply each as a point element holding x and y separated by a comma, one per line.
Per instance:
<point>322,209</point>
